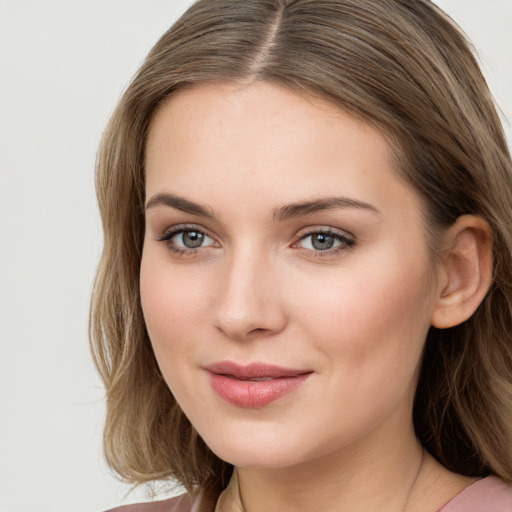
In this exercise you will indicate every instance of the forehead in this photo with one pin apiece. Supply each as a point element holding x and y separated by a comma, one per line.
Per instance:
<point>253,106</point>
<point>211,140</point>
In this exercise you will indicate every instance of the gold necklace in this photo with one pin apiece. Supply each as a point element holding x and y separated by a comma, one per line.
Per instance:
<point>408,497</point>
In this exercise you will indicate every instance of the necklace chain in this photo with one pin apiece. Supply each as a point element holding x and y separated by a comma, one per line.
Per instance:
<point>420,466</point>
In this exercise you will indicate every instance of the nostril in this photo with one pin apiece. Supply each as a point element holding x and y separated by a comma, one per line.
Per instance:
<point>258,330</point>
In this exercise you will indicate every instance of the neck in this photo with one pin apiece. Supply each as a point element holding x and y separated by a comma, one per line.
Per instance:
<point>367,476</point>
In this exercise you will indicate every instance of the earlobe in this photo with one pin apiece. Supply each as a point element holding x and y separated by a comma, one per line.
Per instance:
<point>465,272</point>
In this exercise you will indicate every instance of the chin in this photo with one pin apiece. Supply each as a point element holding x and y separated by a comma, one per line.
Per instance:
<point>256,457</point>
<point>245,449</point>
<point>266,445</point>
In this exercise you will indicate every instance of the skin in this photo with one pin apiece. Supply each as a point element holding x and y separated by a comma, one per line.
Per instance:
<point>258,290</point>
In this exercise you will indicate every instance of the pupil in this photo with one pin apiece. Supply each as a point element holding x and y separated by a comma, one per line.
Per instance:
<point>322,242</point>
<point>192,239</point>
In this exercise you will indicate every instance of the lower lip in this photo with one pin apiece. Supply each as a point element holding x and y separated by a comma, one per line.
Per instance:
<point>252,394</point>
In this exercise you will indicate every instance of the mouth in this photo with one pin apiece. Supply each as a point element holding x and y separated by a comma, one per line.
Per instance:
<point>255,379</point>
<point>255,385</point>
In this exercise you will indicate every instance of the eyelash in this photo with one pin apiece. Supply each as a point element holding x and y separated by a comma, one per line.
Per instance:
<point>179,251</point>
<point>345,242</point>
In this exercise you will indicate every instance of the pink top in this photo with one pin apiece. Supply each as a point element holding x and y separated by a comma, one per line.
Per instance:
<point>486,495</point>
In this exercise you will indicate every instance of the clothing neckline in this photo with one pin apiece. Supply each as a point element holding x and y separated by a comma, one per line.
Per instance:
<point>472,488</point>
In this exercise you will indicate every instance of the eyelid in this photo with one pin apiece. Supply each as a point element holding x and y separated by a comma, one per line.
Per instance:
<point>322,228</point>
<point>347,240</point>
<point>177,228</point>
<point>169,233</point>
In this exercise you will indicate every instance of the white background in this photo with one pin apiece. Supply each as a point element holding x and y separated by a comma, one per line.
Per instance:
<point>63,65</point>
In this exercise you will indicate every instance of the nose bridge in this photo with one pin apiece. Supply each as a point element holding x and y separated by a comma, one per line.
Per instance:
<point>248,301</point>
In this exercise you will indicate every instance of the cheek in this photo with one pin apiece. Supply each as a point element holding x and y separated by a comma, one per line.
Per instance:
<point>172,312</point>
<point>172,306</point>
<point>373,315</point>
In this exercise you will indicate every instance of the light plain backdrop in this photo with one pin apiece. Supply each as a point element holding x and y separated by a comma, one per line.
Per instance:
<point>63,65</point>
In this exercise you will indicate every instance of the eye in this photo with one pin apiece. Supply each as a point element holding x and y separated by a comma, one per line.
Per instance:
<point>191,239</point>
<point>325,241</point>
<point>181,240</point>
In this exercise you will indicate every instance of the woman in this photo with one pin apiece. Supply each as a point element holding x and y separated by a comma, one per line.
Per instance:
<point>305,294</point>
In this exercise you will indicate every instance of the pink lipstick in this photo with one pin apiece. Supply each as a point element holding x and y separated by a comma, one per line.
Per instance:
<point>254,385</point>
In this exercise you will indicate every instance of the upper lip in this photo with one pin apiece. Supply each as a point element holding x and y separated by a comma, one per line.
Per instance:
<point>254,370</point>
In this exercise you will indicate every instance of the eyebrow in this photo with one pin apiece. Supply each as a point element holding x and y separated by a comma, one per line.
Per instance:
<point>179,203</point>
<point>281,214</point>
<point>293,210</point>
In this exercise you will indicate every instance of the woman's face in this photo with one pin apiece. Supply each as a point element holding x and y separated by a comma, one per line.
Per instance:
<point>285,279</point>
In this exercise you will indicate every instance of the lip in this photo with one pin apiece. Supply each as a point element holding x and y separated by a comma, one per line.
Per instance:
<point>254,385</point>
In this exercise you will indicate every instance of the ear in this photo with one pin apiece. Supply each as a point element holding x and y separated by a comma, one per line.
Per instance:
<point>465,271</point>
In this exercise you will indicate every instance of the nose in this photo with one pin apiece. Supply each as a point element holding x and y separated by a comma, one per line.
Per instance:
<point>250,300</point>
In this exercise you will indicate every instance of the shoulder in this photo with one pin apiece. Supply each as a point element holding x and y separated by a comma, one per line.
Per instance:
<point>183,503</point>
<point>485,495</point>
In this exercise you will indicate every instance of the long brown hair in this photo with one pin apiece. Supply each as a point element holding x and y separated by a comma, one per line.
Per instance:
<point>401,65</point>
